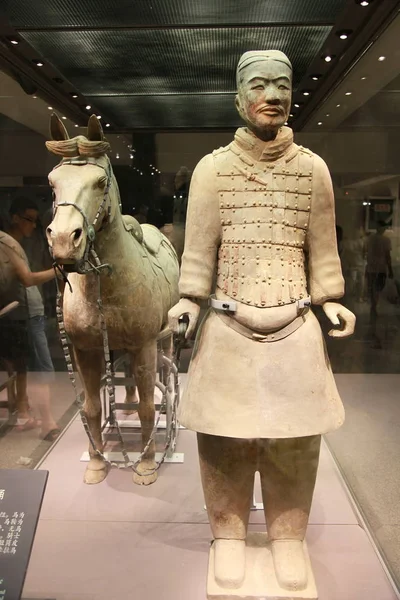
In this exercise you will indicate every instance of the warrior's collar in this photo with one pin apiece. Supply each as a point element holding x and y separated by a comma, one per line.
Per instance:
<point>264,151</point>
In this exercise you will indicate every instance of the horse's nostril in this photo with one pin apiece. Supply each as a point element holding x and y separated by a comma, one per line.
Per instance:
<point>77,234</point>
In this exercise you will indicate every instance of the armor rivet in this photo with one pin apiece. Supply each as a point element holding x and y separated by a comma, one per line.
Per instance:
<point>244,226</point>
<point>309,190</point>
<point>256,281</point>
<point>245,203</point>
<point>308,207</point>
<point>233,194</point>
<point>258,225</point>
<point>269,283</point>
<point>252,240</point>
<point>269,277</point>
<point>263,241</point>
<point>275,222</point>
<point>254,203</point>
<point>221,195</point>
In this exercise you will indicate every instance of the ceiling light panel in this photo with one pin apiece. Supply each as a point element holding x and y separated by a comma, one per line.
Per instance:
<point>191,60</point>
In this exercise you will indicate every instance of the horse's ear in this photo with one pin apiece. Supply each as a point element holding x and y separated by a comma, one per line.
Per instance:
<point>95,130</point>
<point>57,129</point>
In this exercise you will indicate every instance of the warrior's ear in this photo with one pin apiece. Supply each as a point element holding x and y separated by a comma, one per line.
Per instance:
<point>95,130</point>
<point>57,129</point>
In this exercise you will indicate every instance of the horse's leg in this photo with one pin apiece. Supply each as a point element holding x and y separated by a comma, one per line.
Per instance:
<point>89,364</point>
<point>130,390</point>
<point>145,368</point>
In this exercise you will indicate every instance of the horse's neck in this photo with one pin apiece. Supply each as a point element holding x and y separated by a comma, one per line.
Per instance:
<point>115,243</point>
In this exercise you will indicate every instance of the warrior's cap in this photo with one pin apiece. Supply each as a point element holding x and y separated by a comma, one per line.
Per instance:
<point>257,55</point>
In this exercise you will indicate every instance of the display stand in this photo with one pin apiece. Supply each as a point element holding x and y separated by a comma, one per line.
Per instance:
<point>131,427</point>
<point>21,497</point>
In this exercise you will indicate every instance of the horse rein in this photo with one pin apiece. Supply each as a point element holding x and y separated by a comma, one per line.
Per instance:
<point>90,229</point>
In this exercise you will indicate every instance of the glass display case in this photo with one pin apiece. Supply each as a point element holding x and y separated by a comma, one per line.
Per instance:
<point>160,82</point>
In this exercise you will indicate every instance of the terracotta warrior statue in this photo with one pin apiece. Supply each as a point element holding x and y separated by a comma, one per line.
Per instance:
<point>260,388</point>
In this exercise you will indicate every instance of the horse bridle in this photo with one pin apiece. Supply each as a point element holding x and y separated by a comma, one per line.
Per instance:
<point>84,265</point>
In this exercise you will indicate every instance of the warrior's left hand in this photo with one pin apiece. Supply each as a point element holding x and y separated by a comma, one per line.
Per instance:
<point>339,315</point>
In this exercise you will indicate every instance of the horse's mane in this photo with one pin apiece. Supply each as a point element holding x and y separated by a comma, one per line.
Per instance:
<point>78,146</point>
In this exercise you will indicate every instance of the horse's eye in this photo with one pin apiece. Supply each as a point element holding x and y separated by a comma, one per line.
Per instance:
<point>101,182</point>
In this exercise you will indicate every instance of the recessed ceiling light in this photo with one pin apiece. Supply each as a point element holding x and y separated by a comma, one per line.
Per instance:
<point>382,58</point>
<point>348,93</point>
<point>107,124</point>
<point>74,95</point>
<point>363,2</point>
<point>34,97</point>
<point>117,155</point>
<point>38,63</point>
<point>291,115</point>
<point>344,33</point>
<point>327,115</point>
<point>50,107</point>
<point>319,122</point>
<point>14,42</point>
<point>65,118</point>
<point>297,105</point>
<point>88,107</point>
<point>337,105</point>
<point>76,125</point>
<point>328,57</point>
<point>99,117</point>
<point>306,93</point>
<point>315,77</point>
<point>131,156</point>
<point>362,78</point>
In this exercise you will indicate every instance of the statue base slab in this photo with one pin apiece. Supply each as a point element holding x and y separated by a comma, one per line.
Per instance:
<point>260,582</point>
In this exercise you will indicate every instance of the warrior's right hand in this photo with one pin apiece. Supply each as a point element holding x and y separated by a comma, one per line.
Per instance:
<point>188,307</point>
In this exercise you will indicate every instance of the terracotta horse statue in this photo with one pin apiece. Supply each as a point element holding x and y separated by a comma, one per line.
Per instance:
<point>138,287</point>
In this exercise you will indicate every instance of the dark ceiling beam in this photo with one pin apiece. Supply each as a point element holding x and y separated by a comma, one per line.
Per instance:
<point>374,19</point>
<point>174,26</point>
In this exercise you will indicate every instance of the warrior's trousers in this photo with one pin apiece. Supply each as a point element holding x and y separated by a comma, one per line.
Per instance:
<point>288,469</point>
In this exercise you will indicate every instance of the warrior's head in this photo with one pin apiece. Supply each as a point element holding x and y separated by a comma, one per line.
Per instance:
<point>264,82</point>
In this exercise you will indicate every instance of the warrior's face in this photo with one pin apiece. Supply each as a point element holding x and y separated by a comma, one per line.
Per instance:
<point>264,96</point>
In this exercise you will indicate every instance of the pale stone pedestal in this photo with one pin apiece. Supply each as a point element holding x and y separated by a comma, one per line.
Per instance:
<point>260,582</point>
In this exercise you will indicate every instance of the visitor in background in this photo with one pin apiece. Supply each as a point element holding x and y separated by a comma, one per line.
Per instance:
<point>24,328</point>
<point>379,265</point>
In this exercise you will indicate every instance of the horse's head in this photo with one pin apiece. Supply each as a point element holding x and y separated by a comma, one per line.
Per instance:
<point>81,190</point>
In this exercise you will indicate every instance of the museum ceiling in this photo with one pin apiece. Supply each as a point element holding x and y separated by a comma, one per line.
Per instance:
<point>151,65</point>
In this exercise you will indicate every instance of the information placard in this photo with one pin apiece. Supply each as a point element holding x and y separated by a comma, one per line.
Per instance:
<point>21,497</point>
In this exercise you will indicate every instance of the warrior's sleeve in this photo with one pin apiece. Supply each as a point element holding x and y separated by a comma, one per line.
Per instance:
<point>203,232</point>
<point>324,269</point>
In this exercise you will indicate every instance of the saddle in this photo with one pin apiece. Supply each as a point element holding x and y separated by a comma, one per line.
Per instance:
<point>148,235</point>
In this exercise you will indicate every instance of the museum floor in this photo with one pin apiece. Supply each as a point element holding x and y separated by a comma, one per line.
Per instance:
<point>116,541</point>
